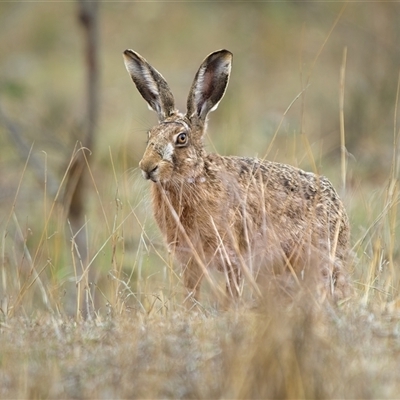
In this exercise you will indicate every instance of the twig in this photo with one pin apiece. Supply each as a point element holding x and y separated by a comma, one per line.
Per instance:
<point>341,116</point>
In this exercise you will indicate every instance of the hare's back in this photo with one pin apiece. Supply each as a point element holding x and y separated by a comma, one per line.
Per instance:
<point>277,176</point>
<point>284,189</point>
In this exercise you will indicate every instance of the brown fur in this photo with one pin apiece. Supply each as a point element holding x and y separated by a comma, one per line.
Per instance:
<point>241,215</point>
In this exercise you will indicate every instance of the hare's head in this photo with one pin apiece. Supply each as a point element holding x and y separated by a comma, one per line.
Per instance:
<point>175,146</point>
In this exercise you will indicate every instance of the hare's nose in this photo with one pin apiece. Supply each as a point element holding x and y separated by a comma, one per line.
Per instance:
<point>149,170</point>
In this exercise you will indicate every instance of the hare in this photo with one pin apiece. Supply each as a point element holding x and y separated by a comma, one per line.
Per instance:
<point>241,215</point>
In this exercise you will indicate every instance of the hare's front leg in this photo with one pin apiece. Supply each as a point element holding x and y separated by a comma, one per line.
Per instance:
<point>192,276</point>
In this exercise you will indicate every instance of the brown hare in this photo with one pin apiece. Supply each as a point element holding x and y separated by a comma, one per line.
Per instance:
<point>241,215</point>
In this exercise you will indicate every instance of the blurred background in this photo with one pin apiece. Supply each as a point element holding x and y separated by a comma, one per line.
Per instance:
<point>281,51</point>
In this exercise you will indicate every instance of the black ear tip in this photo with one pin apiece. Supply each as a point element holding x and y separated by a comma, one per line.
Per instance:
<point>224,53</point>
<point>227,52</point>
<point>130,54</point>
<point>220,55</point>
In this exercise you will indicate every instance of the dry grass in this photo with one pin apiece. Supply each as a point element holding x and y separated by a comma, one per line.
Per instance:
<point>142,343</point>
<point>292,351</point>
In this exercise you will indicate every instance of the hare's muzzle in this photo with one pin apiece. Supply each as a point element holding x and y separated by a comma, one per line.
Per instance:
<point>149,170</point>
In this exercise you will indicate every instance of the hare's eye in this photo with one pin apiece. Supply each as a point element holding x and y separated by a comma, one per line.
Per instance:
<point>181,139</point>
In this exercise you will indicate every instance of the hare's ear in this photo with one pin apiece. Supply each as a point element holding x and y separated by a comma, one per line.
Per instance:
<point>209,84</point>
<point>150,83</point>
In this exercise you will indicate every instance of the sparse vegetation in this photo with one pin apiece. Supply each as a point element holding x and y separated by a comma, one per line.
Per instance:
<point>141,342</point>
